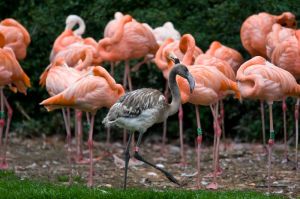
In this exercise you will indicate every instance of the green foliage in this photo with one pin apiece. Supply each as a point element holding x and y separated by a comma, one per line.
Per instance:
<point>206,20</point>
<point>14,187</point>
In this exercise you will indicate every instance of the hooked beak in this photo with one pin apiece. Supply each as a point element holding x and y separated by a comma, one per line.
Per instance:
<point>173,58</point>
<point>191,81</point>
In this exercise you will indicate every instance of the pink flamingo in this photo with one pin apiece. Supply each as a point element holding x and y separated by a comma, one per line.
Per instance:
<point>211,86</point>
<point>131,40</point>
<point>16,37</point>
<point>259,79</point>
<point>254,31</point>
<point>11,74</point>
<point>283,49</point>
<point>91,92</point>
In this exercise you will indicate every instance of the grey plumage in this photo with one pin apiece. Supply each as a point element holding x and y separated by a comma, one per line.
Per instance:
<point>131,106</point>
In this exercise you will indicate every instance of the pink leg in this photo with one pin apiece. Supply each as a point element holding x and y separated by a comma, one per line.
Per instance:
<point>270,144</point>
<point>79,153</point>
<point>163,148</point>
<point>222,114</point>
<point>128,74</point>
<point>263,122</point>
<point>68,143</point>
<point>297,131</point>
<point>199,141</point>
<point>138,65</point>
<point>214,110</point>
<point>90,144</point>
<point>10,112</point>
<point>2,122</point>
<point>125,76</point>
<point>182,154</point>
<point>284,129</point>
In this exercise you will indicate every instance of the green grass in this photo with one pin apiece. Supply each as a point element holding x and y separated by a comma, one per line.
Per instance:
<point>13,187</point>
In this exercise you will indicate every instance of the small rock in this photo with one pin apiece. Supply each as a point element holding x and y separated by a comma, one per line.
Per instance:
<point>151,174</point>
<point>160,165</point>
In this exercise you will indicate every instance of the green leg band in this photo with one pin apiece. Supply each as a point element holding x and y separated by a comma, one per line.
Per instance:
<point>199,131</point>
<point>2,114</point>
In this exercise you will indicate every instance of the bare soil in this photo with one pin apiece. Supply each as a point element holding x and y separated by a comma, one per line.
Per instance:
<point>244,166</point>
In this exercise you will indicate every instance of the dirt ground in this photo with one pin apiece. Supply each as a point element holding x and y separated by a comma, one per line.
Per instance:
<point>244,166</point>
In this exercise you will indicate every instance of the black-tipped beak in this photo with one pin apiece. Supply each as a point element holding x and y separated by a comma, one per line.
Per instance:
<point>191,81</point>
<point>174,59</point>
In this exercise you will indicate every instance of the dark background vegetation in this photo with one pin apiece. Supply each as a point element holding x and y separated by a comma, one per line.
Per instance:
<point>206,20</point>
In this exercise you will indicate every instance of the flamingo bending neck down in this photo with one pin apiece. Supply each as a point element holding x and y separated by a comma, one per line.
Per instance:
<point>140,109</point>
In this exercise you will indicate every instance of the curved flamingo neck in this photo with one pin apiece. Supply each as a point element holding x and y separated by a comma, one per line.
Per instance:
<point>71,21</point>
<point>159,57</point>
<point>187,45</point>
<point>103,43</point>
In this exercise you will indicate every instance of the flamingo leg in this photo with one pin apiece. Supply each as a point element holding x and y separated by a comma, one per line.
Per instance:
<point>90,144</point>
<point>112,68</point>
<point>285,130</point>
<point>214,110</point>
<point>127,157</point>
<point>263,122</point>
<point>128,75</point>
<point>108,136</point>
<point>125,76</point>
<point>270,144</point>
<point>2,122</point>
<point>138,65</point>
<point>10,112</point>
<point>297,131</point>
<point>222,114</point>
<point>79,154</point>
<point>182,154</point>
<point>163,148</point>
<point>68,130</point>
<point>140,158</point>
<point>199,141</point>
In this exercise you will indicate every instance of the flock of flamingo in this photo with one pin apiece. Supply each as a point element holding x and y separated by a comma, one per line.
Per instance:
<point>75,79</point>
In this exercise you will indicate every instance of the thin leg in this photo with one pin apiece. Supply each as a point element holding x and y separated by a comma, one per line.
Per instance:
<point>2,124</point>
<point>108,136</point>
<point>125,76</point>
<point>270,144</point>
<point>284,129</point>
<point>128,74</point>
<point>140,158</point>
<point>199,141</point>
<point>222,114</point>
<point>124,136</point>
<point>163,148</point>
<point>180,117</point>
<point>138,65</point>
<point>90,144</point>
<point>79,152</point>
<point>88,119</point>
<point>127,157</point>
<point>68,144</point>
<point>214,111</point>
<point>263,122</point>
<point>10,112</point>
<point>112,69</point>
<point>297,131</point>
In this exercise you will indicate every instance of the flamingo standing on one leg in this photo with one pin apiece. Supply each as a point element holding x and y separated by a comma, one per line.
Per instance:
<point>186,51</point>
<point>259,79</point>
<point>254,31</point>
<point>11,74</point>
<point>224,67</point>
<point>57,77</point>
<point>140,109</point>
<point>208,93</point>
<point>283,49</point>
<point>16,37</point>
<point>91,92</point>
